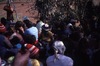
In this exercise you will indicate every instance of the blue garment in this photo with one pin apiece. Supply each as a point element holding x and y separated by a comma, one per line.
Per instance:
<point>18,46</point>
<point>32,31</point>
<point>61,60</point>
<point>2,38</point>
<point>6,47</point>
<point>3,49</point>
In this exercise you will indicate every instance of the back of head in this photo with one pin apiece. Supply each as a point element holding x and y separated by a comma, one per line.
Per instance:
<point>19,24</point>
<point>2,28</point>
<point>15,40</point>
<point>59,47</point>
<point>28,23</point>
<point>29,38</point>
<point>3,21</point>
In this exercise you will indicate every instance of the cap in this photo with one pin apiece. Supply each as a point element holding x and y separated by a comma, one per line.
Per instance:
<point>2,28</point>
<point>46,27</point>
<point>32,48</point>
<point>25,18</point>
<point>35,62</point>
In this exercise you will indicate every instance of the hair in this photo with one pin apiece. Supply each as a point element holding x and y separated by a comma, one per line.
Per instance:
<point>28,23</point>
<point>3,21</point>
<point>83,44</point>
<point>29,38</point>
<point>19,24</point>
<point>15,40</point>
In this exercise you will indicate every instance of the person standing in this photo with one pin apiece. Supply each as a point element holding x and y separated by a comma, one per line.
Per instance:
<point>9,11</point>
<point>59,59</point>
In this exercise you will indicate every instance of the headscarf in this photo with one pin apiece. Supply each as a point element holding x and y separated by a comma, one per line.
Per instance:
<point>59,48</point>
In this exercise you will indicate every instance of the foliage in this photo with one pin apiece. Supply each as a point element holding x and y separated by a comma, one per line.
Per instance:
<point>1,0</point>
<point>61,9</point>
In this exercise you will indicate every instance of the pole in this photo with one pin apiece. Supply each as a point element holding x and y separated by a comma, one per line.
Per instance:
<point>14,7</point>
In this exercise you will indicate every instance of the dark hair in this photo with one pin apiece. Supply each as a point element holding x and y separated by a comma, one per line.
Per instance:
<point>19,24</point>
<point>28,23</point>
<point>3,21</point>
<point>15,40</point>
<point>83,43</point>
<point>29,38</point>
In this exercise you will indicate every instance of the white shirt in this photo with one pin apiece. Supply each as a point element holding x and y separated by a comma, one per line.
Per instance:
<point>39,26</point>
<point>32,31</point>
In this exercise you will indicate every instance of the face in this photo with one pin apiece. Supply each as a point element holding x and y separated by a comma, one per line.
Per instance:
<point>77,23</point>
<point>21,28</point>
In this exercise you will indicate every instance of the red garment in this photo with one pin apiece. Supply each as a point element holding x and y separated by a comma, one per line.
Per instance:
<point>9,10</point>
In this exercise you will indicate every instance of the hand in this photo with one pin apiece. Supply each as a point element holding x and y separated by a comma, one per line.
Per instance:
<point>21,59</point>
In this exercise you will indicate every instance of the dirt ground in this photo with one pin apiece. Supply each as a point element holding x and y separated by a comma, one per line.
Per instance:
<point>22,8</point>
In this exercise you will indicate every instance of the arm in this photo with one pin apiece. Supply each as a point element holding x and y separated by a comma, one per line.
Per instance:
<point>7,42</point>
<point>21,59</point>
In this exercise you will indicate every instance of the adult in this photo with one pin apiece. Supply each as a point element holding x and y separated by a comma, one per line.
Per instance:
<point>9,11</point>
<point>59,59</point>
<point>4,42</point>
<point>32,30</point>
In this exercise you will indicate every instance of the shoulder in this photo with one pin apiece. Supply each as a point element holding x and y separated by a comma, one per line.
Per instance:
<point>66,60</point>
<point>50,58</point>
<point>2,37</point>
<point>31,28</point>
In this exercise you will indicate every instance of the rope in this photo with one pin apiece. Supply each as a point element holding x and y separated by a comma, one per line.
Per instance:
<point>15,10</point>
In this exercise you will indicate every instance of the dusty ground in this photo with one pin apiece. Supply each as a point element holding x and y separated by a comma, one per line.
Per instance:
<point>22,9</point>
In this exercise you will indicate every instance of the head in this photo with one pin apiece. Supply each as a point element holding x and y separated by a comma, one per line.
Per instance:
<point>2,28</point>
<point>59,47</point>
<point>35,62</point>
<point>34,51</point>
<point>28,23</point>
<point>25,18</point>
<point>83,44</point>
<point>3,21</point>
<point>29,38</point>
<point>16,37</point>
<point>46,27</point>
<point>18,25</point>
<point>75,22</point>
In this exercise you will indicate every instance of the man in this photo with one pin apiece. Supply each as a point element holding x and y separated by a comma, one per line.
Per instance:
<point>9,11</point>
<point>4,42</point>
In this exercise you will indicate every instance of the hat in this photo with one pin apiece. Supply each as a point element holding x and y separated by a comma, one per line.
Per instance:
<point>59,47</point>
<point>2,28</point>
<point>73,20</point>
<point>69,24</point>
<point>35,62</point>
<point>32,48</point>
<point>46,27</point>
<point>25,18</point>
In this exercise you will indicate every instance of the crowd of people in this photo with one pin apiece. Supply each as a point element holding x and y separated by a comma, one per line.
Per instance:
<point>63,43</point>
